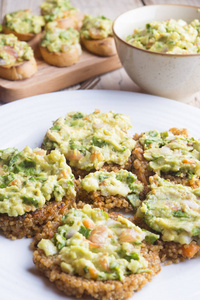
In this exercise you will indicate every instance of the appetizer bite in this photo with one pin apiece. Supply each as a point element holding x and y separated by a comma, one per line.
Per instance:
<point>97,36</point>
<point>17,61</point>
<point>60,47</point>
<point>110,190</point>
<point>92,141</point>
<point>170,154</point>
<point>63,13</point>
<point>23,24</point>
<point>172,210</point>
<point>95,254</point>
<point>171,36</point>
<point>34,188</point>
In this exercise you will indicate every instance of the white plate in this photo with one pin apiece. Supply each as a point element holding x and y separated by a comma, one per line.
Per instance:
<point>25,122</point>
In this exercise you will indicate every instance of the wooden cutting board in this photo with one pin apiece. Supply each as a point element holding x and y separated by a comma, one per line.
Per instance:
<point>50,79</point>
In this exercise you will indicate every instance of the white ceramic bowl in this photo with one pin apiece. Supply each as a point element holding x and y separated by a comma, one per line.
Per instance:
<point>166,75</point>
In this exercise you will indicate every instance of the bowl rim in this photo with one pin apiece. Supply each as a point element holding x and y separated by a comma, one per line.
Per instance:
<point>148,51</point>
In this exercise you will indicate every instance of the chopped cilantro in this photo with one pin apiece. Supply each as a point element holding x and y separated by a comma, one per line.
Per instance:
<point>86,269</point>
<point>55,127</point>
<point>180,214</point>
<point>30,201</point>
<point>102,177</point>
<point>98,142</point>
<point>77,115</point>
<point>85,231</point>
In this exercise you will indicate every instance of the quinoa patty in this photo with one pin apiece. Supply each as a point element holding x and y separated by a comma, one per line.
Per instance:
<point>111,289</point>
<point>140,165</point>
<point>110,190</point>
<point>50,263</point>
<point>30,224</point>
<point>171,252</point>
<point>91,141</point>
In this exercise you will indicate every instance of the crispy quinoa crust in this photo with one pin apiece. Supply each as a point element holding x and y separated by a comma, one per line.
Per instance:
<point>140,164</point>
<point>77,286</point>
<point>110,289</point>
<point>96,200</point>
<point>31,223</point>
<point>141,169</point>
<point>79,173</point>
<point>169,252</point>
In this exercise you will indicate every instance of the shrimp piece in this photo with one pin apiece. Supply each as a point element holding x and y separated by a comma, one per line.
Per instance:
<point>104,262</point>
<point>64,174</point>
<point>99,235</point>
<point>40,152</point>
<point>74,155</point>
<point>96,34</point>
<point>128,236</point>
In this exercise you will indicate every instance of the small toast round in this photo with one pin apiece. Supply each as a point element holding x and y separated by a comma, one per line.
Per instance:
<point>21,36</point>
<point>58,59</point>
<point>19,71</point>
<point>103,47</point>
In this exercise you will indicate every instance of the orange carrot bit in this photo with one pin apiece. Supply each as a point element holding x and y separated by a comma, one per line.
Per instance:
<point>93,272</point>
<point>189,161</point>
<point>16,181</point>
<point>88,223</point>
<point>190,250</point>
<point>96,155</point>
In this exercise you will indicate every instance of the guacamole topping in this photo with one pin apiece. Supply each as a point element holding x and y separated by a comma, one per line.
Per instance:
<point>96,27</point>
<point>60,40</point>
<point>173,210</point>
<point>171,36</point>
<point>121,183</point>
<point>23,21</point>
<point>167,152</point>
<point>29,178</point>
<point>57,9</point>
<point>92,245</point>
<point>90,140</point>
<point>13,51</point>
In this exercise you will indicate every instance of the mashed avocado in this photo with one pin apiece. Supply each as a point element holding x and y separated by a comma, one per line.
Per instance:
<point>173,210</point>
<point>121,183</point>
<point>59,40</point>
<point>171,36</point>
<point>90,140</point>
<point>94,246</point>
<point>29,178</point>
<point>56,9</point>
<point>13,51</point>
<point>23,21</point>
<point>96,27</point>
<point>167,152</point>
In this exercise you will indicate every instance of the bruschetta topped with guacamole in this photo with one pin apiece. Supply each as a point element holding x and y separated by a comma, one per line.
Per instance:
<point>60,47</point>
<point>24,24</point>
<point>96,35</point>
<point>16,58</point>
<point>63,13</point>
